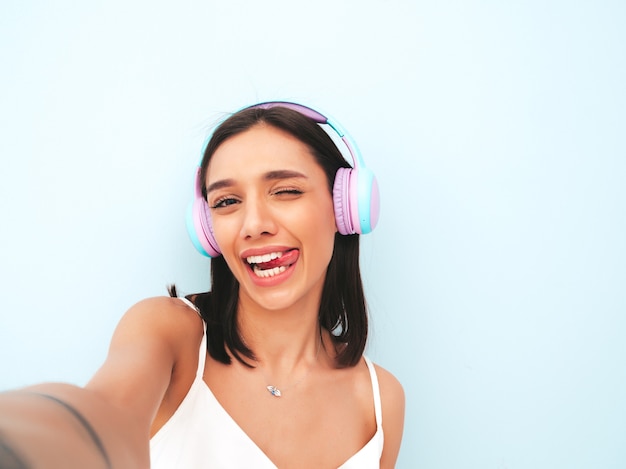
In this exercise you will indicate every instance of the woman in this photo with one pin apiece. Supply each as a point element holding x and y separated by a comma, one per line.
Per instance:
<point>284,383</point>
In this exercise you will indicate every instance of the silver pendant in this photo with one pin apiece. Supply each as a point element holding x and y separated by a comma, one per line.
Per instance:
<point>274,391</point>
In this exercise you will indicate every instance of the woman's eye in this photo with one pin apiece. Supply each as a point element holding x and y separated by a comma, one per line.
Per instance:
<point>224,202</point>
<point>288,192</point>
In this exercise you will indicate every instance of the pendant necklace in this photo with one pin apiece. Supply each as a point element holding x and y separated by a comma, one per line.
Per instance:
<point>274,391</point>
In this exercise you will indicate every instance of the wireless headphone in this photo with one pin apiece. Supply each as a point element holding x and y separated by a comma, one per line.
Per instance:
<point>355,191</point>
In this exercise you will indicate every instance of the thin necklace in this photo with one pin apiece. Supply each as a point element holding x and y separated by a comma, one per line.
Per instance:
<point>274,391</point>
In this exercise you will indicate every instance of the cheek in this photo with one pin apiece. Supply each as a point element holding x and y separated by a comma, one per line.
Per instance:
<point>321,214</point>
<point>323,229</point>
<point>221,232</point>
<point>225,233</point>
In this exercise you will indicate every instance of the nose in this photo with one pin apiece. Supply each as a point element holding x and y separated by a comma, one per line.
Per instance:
<point>258,219</point>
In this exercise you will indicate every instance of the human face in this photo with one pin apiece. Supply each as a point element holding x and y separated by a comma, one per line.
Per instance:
<point>272,216</point>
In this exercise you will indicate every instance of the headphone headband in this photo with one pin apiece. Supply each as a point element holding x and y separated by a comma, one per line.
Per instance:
<point>317,116</point>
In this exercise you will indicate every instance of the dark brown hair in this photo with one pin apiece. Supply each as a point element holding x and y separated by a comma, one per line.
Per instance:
<point>342,310</point>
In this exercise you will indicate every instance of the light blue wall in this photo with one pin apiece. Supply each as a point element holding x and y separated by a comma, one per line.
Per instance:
<point>497,131</point>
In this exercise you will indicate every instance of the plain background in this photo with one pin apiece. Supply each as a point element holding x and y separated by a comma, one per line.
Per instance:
<point>496,129</point>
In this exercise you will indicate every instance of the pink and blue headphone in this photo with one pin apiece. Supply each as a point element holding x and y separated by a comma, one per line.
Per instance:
<point>355,191</point>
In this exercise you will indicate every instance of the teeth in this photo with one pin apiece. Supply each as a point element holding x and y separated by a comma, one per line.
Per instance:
<point>269,272</point>
<point>264,258</point>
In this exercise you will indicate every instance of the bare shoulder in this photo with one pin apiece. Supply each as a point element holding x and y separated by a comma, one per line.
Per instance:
<point>152,339</point>
<point>171,315</point>
<point>393,407</point>
<point>390,386</point>
<point>162,328</point>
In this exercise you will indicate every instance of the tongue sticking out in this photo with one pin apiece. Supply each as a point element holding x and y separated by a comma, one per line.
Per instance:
<point>286,259</point>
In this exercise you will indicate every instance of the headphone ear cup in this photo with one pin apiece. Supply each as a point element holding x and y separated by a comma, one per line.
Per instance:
<point>368,199</point>
<point>199,224</point>
<point>341,201</point>
<point>356,200</point>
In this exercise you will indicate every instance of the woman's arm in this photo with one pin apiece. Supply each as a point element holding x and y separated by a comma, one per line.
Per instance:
<point>393,401</point>
<point>59,425</point>
<point>106,423</point>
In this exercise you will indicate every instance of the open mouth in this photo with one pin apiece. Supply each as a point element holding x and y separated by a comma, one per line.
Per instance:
<point>273,263</point>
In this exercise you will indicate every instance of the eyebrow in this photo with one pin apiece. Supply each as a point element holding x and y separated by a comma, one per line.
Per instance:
<point>269,176</point>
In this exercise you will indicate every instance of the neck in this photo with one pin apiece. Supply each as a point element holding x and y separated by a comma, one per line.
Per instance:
<point>284,361</point>
<point>282,341</point>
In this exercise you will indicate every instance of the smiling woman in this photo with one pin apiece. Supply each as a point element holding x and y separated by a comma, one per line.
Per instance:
<point>280,211</point>
<point>280,204</point>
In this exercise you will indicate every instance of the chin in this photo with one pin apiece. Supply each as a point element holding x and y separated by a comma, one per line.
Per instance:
<point>273,302</point>
<point>282,299</point>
